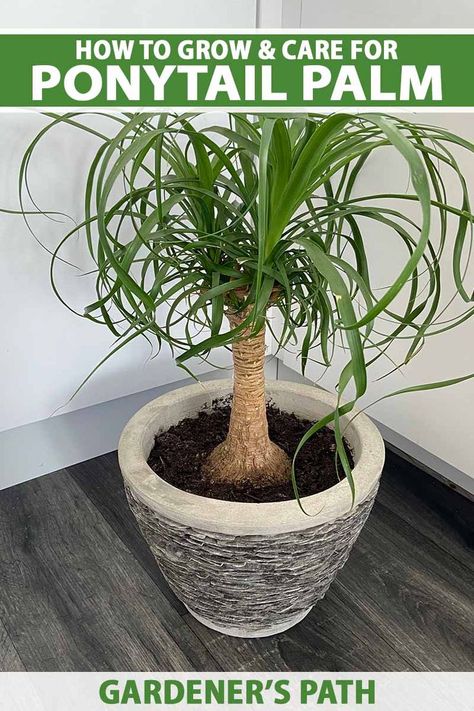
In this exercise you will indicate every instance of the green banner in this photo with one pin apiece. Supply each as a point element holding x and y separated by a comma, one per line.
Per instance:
<point>297,71</point>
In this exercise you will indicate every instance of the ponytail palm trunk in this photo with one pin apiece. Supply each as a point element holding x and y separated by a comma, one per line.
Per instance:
<point>248,454</point>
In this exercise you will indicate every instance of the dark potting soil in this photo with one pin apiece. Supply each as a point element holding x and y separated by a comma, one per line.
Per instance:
<point>178,455</point>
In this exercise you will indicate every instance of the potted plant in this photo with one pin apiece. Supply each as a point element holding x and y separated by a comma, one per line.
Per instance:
<point>200,234</point>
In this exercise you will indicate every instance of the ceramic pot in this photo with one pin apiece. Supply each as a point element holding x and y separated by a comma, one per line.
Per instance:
<point>248,569</point>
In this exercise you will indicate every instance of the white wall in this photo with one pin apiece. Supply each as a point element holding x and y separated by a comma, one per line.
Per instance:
<point>46,351</point>
<point>363,14</point>
<point>120,14</point>
<point>439,421</point>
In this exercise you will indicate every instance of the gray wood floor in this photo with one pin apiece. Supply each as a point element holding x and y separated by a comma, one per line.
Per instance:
<point>80,591</point>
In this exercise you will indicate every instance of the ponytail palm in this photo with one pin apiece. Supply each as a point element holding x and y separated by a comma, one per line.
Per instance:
<point>221,223</point>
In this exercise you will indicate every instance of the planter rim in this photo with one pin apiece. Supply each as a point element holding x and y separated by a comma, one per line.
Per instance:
<point>239,518</point>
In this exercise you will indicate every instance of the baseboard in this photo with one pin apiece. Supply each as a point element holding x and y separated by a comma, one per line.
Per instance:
<point>405,448</point>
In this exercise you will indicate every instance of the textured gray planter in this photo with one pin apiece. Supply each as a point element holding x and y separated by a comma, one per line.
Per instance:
<point>247,570</point>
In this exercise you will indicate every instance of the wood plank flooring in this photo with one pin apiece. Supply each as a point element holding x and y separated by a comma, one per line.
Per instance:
<point>80,591</point>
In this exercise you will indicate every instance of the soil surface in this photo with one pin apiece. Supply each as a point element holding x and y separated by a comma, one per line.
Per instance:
<point>178,455</point>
